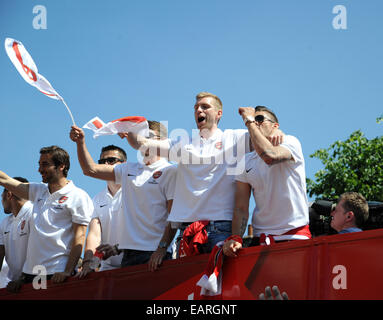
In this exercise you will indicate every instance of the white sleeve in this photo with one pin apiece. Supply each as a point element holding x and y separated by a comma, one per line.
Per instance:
<point>83,210</point>
<point>243,139</point>
<point>2,226</point>
<point>118,172</point>
<point>292,144</point>
<point>176,147</point>
<point>242,177</point>
<point>35,190</point>
<point>169,183</point>
<point>95,213</point>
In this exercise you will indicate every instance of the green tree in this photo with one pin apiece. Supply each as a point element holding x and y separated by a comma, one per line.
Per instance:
<point>355,164</point>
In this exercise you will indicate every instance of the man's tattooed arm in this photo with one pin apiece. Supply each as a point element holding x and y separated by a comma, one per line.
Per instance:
<point>276,155</point>
<point>240,224</point>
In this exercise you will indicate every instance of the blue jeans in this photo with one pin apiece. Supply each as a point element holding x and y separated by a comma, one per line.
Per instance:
<point>216,231</point>
<point>134,257</point>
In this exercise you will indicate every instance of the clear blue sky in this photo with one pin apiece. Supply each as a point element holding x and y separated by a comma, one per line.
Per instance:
<point>149,58</point>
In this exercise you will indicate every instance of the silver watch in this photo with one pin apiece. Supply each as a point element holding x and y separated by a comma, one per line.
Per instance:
<point>249,119</point>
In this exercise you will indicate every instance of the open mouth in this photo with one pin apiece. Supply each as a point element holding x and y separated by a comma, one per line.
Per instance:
<point>200,119</point>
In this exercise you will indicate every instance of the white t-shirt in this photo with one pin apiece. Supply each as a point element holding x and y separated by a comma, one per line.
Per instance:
<point>51,230</point>
<point>205,176</point>
<point>145,192</point>
<point>107,208</point>
<point>14,233</point>
<point>279,191</point>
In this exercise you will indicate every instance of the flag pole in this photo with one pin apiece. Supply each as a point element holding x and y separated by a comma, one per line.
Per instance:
<point>70,113</point>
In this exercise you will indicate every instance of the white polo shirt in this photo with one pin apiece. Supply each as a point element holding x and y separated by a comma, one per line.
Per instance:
<point>14,234</point>
<point>279,191</point>
<point>51,230</point>
<point>107,208</point>
<point>145,192</point>
<point>205,177</point>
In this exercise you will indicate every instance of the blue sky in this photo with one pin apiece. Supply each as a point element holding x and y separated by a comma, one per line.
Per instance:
<point>150,58</point>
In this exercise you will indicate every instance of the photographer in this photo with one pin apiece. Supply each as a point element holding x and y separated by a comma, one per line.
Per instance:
<point>350,213</point>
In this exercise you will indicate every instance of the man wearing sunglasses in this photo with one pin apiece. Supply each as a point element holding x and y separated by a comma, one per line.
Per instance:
<point>276,176</point>
<point>104,223</point>
<point>147,194</point>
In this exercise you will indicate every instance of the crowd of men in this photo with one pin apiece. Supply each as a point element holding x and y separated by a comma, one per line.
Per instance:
<point>200,187</point>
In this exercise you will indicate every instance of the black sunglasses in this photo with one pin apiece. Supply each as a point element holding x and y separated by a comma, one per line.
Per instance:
<point>110,160</point>
<point>260,118</point>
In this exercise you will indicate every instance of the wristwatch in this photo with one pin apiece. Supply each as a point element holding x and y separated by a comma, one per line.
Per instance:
<point>249,119</point>
<point>162,245</point>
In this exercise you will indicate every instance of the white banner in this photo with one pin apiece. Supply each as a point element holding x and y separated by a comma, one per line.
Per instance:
<point>135,124</point>
<point>27,68</point>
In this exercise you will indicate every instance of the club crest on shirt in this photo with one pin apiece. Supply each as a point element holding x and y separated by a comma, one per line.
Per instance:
<point>218,145</point>
<point>22,225</point>
<point>63,199</point>
<point>157,174</point>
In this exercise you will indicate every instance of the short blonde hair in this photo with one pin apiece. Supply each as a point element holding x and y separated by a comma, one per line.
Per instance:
<point>158,128</point>
<point>201,95</point>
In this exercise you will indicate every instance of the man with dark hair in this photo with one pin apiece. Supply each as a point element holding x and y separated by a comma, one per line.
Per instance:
<point>61,213</point>
<point>350,213</point>
<point>121,152</point>
<point>14,231</point>
<point>268,111</point>
<point>104,224</point>
<point>276,176</point>
<point>147,196</point>
<point>59,157</point>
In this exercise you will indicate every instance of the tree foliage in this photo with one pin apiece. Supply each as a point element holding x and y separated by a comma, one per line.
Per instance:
<point>355,164</point>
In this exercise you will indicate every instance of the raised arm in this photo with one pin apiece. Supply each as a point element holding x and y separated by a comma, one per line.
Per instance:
<point>269,153</point>
<point>138,142</point>
<point>88,166</point>
<point>20,189</point>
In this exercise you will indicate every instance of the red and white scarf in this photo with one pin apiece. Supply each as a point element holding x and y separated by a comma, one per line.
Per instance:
<point>300,233</point>
<point>211,280</point>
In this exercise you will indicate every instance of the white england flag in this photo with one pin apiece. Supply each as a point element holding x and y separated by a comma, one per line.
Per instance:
<point>135,124</point>
<point>27,68</point>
